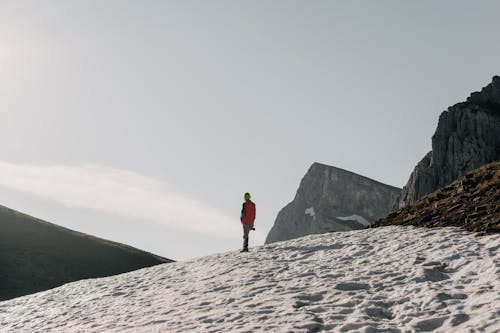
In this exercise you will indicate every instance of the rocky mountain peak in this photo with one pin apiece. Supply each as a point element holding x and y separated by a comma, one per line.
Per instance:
<point>332,199</point>
<point>488,95</point>
<point>467,137</point>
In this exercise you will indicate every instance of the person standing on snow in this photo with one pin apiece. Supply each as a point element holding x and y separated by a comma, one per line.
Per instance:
<point>247,219</point>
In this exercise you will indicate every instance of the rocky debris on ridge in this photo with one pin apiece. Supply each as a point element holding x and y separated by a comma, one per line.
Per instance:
<point>332,199</point>
<point>467,137</point>
<point>473,203</point>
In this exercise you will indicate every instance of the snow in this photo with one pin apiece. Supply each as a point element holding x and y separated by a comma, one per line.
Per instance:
<point>392,279</point>
<point>310,211</point>
<point>357,218</point>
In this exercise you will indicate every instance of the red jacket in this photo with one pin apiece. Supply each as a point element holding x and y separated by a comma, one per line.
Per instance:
<point>248,212</point>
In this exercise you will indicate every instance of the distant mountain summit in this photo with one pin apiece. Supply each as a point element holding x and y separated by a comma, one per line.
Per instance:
<point>467,137</point>
<point>332,199</point>
<point>36,255</point>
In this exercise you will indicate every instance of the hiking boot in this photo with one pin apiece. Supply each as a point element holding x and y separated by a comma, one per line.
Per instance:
<point>244,250</point>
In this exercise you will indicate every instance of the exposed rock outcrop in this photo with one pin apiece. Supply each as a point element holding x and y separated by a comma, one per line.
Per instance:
<point>473,203</point>
<point>332,199</point>
<point>467,137</point>
<point>36,255</point>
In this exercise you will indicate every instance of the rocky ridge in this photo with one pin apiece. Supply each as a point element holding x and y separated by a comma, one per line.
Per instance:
<point>467,137</point>
<point>332,199</point>
<point>473,203</point>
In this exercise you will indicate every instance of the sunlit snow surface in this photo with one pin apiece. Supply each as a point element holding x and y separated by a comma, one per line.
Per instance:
<point>393,279</point>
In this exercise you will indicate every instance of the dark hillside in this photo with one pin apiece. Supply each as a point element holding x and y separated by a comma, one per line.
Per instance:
<point>36,255</point>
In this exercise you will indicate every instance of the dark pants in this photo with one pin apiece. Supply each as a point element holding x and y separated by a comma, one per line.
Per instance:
<point>246,230</point>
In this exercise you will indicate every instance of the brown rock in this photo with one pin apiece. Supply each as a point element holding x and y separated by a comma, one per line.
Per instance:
<point>472,203</point>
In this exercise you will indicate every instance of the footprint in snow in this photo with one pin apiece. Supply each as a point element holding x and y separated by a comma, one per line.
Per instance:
<point>348,286</point>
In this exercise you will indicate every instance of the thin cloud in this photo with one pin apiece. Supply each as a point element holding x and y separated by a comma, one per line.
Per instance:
<point>119,192</point>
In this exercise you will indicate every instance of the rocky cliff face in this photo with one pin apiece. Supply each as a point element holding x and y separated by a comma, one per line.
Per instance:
<point>471,202</point>
<point>331,199</point>
<point>467,137</point>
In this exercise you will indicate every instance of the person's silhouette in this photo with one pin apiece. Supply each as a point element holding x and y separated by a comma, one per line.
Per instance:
<point>247,219</point>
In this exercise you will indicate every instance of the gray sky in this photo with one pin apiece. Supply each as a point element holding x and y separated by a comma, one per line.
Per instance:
<point>144,122</point>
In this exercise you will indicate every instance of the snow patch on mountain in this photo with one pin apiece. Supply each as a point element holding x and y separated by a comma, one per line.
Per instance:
<point>310,211</point>
<point>357,218</point>
<point>388,279</point>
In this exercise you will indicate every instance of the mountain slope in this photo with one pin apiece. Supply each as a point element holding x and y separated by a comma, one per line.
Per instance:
<point>36,255</point>
<point>467,137</point>
<point>473,202</point>
<point>389,279</point>
<point>332,199</point>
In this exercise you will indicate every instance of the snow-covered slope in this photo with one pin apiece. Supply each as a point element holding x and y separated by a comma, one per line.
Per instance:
<point>389,279</point>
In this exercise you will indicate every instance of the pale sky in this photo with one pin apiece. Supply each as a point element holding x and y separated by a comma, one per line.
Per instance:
<point>144,122</point>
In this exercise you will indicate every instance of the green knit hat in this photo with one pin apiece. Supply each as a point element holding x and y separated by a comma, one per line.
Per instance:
<point>247,196</point>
